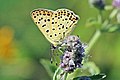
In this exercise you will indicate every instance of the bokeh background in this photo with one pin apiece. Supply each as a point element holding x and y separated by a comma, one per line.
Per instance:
<point>22,45</point>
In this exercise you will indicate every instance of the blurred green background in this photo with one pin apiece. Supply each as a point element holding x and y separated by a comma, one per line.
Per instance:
<point>22,45</point>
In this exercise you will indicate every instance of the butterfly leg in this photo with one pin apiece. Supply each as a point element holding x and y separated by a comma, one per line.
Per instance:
<point>52,54</point>
<point>51,57</point>
<point>60,50</point>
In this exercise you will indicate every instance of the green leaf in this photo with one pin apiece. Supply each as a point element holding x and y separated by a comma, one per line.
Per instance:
<point>82,78</point>
<point>91,68</point>
<point>50,68</point>
<point>98,77</point>
<point>113,13</point>
<point>118,17</point>
<point>108,7</point>
<point>93,77</point>
<point>112,28</point>
<point>92,22</point>
<point>88,68</point>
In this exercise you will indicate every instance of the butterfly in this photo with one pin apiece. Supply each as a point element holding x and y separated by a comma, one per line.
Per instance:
<point>55,25</point>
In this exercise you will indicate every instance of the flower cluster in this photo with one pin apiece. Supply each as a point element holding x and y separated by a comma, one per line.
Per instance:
<point>116,3</point>
<point>73,53</point>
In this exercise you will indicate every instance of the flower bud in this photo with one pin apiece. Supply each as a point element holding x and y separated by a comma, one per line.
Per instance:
<point>100,4</point>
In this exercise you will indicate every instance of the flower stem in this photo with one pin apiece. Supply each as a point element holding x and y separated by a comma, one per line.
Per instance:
<point>100,17</point>
<point>65,76</point>
<point>55,74</point>
<point>93,40</point>
<point>96,34</point>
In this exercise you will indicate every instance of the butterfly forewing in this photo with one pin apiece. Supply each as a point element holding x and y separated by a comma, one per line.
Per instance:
<point>55,25</point>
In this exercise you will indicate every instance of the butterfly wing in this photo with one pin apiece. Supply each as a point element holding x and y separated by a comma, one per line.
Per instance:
<point>55,25</point>
<point>67,21</point>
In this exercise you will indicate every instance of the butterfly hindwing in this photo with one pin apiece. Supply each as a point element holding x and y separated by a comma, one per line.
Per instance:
<point>55,25</point>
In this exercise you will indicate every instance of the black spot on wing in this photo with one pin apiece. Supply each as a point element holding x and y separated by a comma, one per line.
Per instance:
<point>66,27</point>
<point>34,16</point>
<point>63,26</point>
<point>65,18</point>
<point>44,25</point>
<point>55,34</point>
<point>45,20</point>
<point>53,29</point>
<point>47,31</point>
<point>76,18</point>
<point>59,28</point>
<point>37,14</point>
<point>50,35</point>
<point>38,22</point>
<point>48,14</point>
<point>48,19</point>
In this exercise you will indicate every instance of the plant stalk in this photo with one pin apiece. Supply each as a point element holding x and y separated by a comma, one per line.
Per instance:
<point>93,40</point>
<point>55,74</point>
<point>65,76</point>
